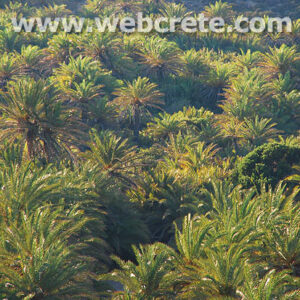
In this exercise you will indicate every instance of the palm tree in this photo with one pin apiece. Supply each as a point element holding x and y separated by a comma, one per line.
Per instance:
<point>219,9</point>
<point>32,115</point>
<point>83,95</point>
<point>9,69</point>
<point>94,6</point>
<point>248,60</point>
<point>102,113</point>
<point>113,156</point>
<point>190,121</point>
<point>109,49</point>
<point>197,156</point>
<point>31,61</point>
<point>295,33</point>
<point>281,247</point>
<point>230,128</point>
<point>159,57</point>
<point>271,285</point>
<point>164,199</point>
<point>20,111</point>
<point>135,98</point>
<point>284,102</point>
<point>26,186</point>
<point>234,211</point>
<point>88,74</point>
<point>282,85</point>
<point>61,47</point>
<point>77,82</point>
<point>24,190</point>
<point>193,239</point>
<point>54,11</point>
<point>103,47</point>
<point>215,81</point>
<point>245,96</point>
<point>257,131</point>
<point>194,63</point>
<point>278,207</point>
<point>174,10</point>
<point>124,6</point>
<point>221,274</point>
<point>151,7</point>
<point>9,41</point>
<point>37,261</point>
<point>17,9</point>
<point>163,125</point>
<point>174,148</point>
<point>218,197</point>
<point>10,155</point>
<point>149,278</point>
<point>77,70</point>
<point>290,141</point>
<point>200,122</point>
<point>280,60</point>
<point>286,109</point>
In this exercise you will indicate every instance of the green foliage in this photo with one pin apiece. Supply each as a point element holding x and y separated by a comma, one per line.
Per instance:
<point>112,155</point>
<point>272,285</point>
<point>9,41</point>
<point>267,164</point>
<point>193,238</point>
<point>32,115</point>
<point>219,9</point>
<point>280,60</point>
<point>136,98</point>
<point>8,69</point>
<point>36,250</point>
<point>149,278</point>
<point>159,57</point>
<point>125,227</point>
<point>149,166</point>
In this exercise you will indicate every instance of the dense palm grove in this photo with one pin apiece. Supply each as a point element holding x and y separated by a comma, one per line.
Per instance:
<point>148,166</point>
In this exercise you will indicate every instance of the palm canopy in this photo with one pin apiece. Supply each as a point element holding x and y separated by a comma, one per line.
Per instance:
<point>8,69</point>
<point>280,60</point>
<point>136,98</point>
<point>113,156</point>
<point>148,279</point>
<point>103,47</point>
<point>273,284</point>
<point>32,114</point>
<point>219,9</point>
<point>31,60</point>
<point>36,250</point>
<point>159,57</point>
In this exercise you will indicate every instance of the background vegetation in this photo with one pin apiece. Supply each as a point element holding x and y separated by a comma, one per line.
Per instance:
<point>138,166</point>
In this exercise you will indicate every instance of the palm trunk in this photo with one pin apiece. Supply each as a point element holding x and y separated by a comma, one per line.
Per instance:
<point>136,123</point>
<point>235,145</point>
<point>30,150</point>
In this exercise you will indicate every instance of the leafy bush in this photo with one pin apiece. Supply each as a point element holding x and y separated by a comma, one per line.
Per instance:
<point>268,164</point>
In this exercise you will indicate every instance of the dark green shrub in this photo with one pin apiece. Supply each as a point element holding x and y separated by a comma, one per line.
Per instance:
<point>267,164</point>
